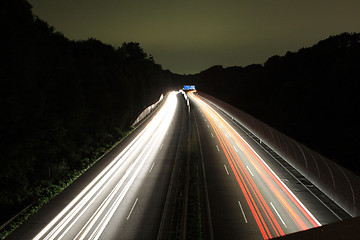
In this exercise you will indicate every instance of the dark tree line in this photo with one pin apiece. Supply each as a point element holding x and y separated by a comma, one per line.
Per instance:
<point>61,101</point>
<point>312,95</point>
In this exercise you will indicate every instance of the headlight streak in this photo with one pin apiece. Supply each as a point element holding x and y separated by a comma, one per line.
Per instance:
<point>108,171</point>
<point>149,136</point>
<point>246,183</point>
<point>88,226</point>
<point>105,220</point>
<point>154,141</point>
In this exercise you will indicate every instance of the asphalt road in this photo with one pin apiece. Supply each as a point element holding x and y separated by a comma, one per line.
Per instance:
<point>123,195</point>
<point>251,196</point>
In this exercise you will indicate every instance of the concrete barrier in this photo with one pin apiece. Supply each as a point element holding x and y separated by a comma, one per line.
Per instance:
<point>338,183</point>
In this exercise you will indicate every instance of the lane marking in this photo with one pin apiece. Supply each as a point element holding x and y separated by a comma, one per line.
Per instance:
<point>208,126</point>
<point>250,171</point>
<point>217,148</point>
<point>151,167</point>
<point>212,135</point>
<point>235,149</point>
<point>242,212</point>
<point>132,209</point>
<point>161,146</point>
<point>311,218</point>
<point>227,172</point>
<point>302,185</point>
<point>282,185</point>
<point>278,214</point>
<point>75,209</point>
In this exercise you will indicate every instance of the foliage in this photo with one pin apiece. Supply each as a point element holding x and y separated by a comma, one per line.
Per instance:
<point>62,102</point>
<point>46,191</point>
<point>311,95</point>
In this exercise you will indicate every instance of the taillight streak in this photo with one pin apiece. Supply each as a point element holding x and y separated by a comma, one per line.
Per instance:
<point>248,187</point>
<point>280,191</point>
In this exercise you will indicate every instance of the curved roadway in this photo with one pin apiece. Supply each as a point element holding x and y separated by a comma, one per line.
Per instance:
<point>122,196</point>
<point>251,196</point>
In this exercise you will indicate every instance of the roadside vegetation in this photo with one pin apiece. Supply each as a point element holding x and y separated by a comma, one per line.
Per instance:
<point>46,190</point>
<point>311,95</point>
<point>63,104</point>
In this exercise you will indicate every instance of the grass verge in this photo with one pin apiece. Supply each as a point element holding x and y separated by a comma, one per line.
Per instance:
<point>47,192</point>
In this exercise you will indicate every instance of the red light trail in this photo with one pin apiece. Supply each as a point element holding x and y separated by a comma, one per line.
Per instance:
<point>238,152</point>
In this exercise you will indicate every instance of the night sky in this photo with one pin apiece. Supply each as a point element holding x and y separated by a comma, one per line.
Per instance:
<point>190,36</point>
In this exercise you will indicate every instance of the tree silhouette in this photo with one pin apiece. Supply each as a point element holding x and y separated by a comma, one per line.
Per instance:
<point>309,95</point>
<point>62,101</point>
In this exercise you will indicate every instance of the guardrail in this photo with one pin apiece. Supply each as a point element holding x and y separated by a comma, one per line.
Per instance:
<point>147,111</point>
<point>338,183</point>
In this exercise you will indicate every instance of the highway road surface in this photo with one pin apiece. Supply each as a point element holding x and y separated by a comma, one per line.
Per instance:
<point>122,196</point>
<point>251,196</point>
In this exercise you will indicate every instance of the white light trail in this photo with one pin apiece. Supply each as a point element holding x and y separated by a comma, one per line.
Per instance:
<point>139,149</point>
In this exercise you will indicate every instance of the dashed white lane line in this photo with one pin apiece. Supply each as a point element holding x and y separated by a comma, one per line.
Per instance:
<point>217,148</point>
<point>152,166</point>
<point>250,171</point>
<point>208,126</point>
<point>227,172</point>
<point>132,209</point>
<point>235,149</point>
<point>242,212</point>
<point>212,135</point>
<point>278,214</point>
<point>161,146</point>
